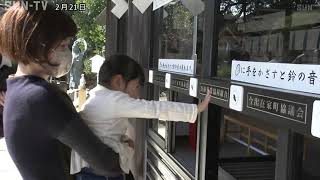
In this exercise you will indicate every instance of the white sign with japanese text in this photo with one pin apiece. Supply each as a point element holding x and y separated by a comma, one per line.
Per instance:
<point>159,3</point>
<point>290,110</point>
<point>297,77</point>
<point>180,66</point>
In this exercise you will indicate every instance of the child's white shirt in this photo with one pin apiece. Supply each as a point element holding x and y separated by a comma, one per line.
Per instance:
<point>106,112</point>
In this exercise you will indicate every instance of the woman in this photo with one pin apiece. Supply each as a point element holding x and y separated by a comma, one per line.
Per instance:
<point>38,116</point>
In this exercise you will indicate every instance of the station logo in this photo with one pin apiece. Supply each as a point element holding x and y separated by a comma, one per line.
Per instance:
<point>42,5</point>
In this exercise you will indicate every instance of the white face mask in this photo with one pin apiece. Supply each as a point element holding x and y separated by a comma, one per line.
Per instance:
<point>60,63</point>
<point>5,62</point>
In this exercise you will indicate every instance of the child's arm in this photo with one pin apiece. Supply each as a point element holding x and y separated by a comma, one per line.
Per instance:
<point>163,110</point>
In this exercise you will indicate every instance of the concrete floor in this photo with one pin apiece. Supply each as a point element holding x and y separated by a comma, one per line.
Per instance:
<point>8,170</point>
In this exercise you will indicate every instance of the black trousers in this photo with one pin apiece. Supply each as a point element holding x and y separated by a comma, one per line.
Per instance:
<point>129,176</point>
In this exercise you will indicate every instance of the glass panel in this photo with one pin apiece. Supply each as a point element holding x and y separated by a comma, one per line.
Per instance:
<point>163,96</point>
<point>279,31</point>
<point>176,38</point>
<point>248,146</point>
<point>185,139</point>
<point>177,32</point>
<point>200,42</point>
<point>311,159</point>
<point>157,125</point>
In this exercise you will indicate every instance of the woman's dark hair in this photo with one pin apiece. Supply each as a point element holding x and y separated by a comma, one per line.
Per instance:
<point>120,65</point>
<point>28,35</point>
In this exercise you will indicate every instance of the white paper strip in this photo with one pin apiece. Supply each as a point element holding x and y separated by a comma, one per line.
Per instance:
<point>194,6</point>
<point>142,5</point>
<point>159,3</point>
<point>121,7</point>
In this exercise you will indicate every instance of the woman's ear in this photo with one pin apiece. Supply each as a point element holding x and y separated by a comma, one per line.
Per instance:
<point>118,83</point>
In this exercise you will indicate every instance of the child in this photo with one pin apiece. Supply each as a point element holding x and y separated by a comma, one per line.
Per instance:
<point>116,99</point>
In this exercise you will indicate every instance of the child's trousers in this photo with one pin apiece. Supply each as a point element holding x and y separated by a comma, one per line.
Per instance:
<point>86,174</point>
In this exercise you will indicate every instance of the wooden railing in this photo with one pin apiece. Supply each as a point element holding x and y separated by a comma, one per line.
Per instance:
<point>246,131</point>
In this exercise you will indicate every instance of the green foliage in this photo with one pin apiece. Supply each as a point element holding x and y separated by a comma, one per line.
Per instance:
<point>91,32</point>
<point>178,23</point>
<point>87,66</point>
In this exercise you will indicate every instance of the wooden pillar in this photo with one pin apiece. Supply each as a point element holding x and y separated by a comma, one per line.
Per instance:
<point>289,155</point>
<point>111,30</point>
<point>209,162</point>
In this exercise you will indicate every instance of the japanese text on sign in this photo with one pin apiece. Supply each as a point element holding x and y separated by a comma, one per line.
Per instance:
<point>298,77</point>
<point>215,91</point>
<point>279,107</point>
<point>180,83</point>
<point>181,66</point>
<point>159,78</point>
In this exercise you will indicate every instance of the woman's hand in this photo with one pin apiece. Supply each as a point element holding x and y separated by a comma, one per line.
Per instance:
<point>2,98</point>
<point>125,139</point>
<point>130,142</point>
<point>204,104</point>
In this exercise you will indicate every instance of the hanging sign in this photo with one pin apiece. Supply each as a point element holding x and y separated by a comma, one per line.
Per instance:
<point>181,84</point>
<point>283,108</point>
<point>216,92</point>
<point>121,7</point>
<point>194,6</point>
<point>159,78</point>
<point>179,66</point>
<point>297,77</point>
<point>142,5</point>
<point>159,3</point>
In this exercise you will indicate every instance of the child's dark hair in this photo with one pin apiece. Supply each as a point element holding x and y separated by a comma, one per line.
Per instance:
<point>120,65</point>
